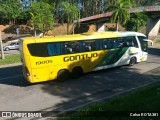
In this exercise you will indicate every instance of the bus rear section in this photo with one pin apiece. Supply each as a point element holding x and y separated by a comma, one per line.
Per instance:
<point>25,59</point>
<point>35,64</point>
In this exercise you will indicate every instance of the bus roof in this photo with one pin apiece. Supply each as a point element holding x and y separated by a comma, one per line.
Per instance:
<point>130,33</point>
<point>83,36</point>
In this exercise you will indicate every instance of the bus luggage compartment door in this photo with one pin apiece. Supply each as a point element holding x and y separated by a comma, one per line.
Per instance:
<point>40,74</point>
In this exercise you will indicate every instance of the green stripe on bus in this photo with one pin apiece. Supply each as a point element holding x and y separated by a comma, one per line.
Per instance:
<point>112,56</point>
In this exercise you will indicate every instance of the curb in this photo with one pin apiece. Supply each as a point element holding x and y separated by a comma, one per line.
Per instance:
<point>10,65</point>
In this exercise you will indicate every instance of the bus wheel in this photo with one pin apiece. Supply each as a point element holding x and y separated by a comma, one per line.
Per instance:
<point>132,61</point>
<point>77,72</point>
<point>63,75</point>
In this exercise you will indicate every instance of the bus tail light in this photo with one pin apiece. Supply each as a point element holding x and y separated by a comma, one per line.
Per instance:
<point>27,71</point>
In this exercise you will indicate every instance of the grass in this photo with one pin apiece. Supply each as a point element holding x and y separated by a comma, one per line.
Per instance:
<point>143,99</point>
<point>9,59</point>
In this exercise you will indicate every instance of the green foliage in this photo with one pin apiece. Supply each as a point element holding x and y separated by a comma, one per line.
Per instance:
<point>10,59</point>
<point>92,7</point>
<point>146,2</point>
<point>10,9</point>
<point>144,99</point>
<point>41,16</point>
<point>68,12</point>
<point>136,22</point>
<point>120,11</point>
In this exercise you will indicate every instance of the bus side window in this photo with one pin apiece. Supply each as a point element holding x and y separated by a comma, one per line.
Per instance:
<point>51,50</point>
<point>132,42</point>
<point>135,42</point>
<point>101,44</point>
<point>54,49</point>
<point>97,44</point>
<point>105,45</point>
<point>93,45</point>
<point>81,48</point>
<point>115,43</point>
<point>110,44</point>
<point>120,42</point>
<point>68,48</point>
<point>89,45</point>
<point>125,44</point>
<point>65,48</point>
<point>38,49</point>
<point>75,46</point>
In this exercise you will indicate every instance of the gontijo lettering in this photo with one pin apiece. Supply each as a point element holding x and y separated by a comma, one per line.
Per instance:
<point>79,57</point>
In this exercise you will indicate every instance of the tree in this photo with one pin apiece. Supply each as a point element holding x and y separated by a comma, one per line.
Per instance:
<point>68,12</point>
<point>120,13</point>
<point>91,7</point>
<point>136,22</point>
<point>146,2</point>
<point>41,16</point>
<point>10,10</point>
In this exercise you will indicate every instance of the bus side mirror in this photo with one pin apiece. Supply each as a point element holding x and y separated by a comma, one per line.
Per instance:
<point>149,41</point>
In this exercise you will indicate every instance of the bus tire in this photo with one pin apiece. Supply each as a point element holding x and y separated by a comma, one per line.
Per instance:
<point>133,61</point>
<point>63,75</point>
<point>77,72</point>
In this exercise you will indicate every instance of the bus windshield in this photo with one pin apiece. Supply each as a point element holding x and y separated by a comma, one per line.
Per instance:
<point>144,44</point>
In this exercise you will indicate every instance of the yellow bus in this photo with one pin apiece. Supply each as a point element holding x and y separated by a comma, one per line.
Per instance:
<point>58,57</point>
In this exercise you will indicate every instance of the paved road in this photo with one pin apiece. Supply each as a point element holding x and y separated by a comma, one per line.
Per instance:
<point>10,52</point>
<point>17,95</point>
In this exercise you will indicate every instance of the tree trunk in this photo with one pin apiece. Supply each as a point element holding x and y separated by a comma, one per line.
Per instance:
<point>10,22</point>
<point>73,28</point>
<point>1,47</point>
<point>43,30</point>
<point>136,27</point>
<point>35,33</point>
<point>67,28</point>
<point>117,25</point>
